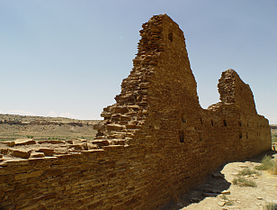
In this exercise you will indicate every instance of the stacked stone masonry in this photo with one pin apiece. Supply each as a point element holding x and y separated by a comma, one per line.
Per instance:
<point>154,144</point>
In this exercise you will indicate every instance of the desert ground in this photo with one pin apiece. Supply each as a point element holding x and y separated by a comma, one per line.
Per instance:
<point>45,128</point>
<point>256,190</point>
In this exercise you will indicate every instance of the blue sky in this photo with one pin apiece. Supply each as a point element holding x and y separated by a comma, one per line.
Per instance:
<point>68,58</point>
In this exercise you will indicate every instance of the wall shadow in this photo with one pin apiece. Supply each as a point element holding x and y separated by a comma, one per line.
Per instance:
<point>212,186</point>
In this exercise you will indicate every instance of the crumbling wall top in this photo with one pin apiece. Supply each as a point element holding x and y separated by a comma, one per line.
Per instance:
<point>233,90</point>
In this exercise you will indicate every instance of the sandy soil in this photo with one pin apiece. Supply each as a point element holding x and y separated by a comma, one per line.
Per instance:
<point>218,192</point>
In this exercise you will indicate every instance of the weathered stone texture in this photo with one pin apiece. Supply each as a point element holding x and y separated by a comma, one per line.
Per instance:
<point>154,144</point>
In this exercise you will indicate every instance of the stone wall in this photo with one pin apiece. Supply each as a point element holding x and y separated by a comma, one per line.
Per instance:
<point>154,144</point>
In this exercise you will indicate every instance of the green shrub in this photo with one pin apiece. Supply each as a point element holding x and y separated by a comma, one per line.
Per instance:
<point>53,138</point>
<point>266,164</point>
<point>29,136</point>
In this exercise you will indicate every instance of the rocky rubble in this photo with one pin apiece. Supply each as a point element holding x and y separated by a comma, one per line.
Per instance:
<point>29,149</point>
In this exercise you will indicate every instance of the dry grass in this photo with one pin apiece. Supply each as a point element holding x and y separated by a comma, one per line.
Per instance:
<point>271,206</point>
<point>248,171</point>
<point>242,182</point>
<point>268,164</point>
<point>228,202</point>
<point>274,168</point>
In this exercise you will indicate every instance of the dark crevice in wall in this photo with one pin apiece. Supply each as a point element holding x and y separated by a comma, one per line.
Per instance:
<point>181,136</point>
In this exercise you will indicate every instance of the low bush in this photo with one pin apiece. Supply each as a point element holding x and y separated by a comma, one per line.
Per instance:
<point>242,182</point>
<point>271,206</point>
<point>228,202</point>
<point>29,136</point>
<point>268,164</point>
<point>248,171</point>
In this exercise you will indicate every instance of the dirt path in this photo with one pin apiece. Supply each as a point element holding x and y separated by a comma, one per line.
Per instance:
<point>219,192</point>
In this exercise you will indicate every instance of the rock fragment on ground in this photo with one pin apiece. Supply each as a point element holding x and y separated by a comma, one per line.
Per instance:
<point>20,142</point>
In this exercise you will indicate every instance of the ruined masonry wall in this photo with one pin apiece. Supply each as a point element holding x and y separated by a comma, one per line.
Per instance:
<point>155,142</point>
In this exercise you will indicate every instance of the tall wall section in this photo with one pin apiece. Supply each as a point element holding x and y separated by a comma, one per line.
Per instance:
<point>155,142</point>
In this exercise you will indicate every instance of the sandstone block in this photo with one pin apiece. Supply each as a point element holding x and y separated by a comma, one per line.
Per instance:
<point>92,151</point>
<point>118,142</point>
<point>8,143</point>
<point>19,142</point>
<point>69,141</point>
<point>101,142</point>
<point>134,107</point>
<point>221,203</point>
<point>105,114</point>
<point>4,151</point>
<point>46,151</point>
<point>77,146</point>
<point>226,192</point>
<point>115,127</point>
<point>111,147</point>
<point>51,142</point>
<point>37,154</point>
<point>125,118</point>
<point>21,153</point>
<point>130,126</point>
<point>121,109</point>
<point>91,146</point>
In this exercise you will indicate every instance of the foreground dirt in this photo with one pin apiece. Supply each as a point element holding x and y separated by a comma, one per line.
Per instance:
<point>219,192</point>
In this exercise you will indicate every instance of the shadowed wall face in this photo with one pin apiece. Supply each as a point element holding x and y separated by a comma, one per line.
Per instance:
<point>155,142</point>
